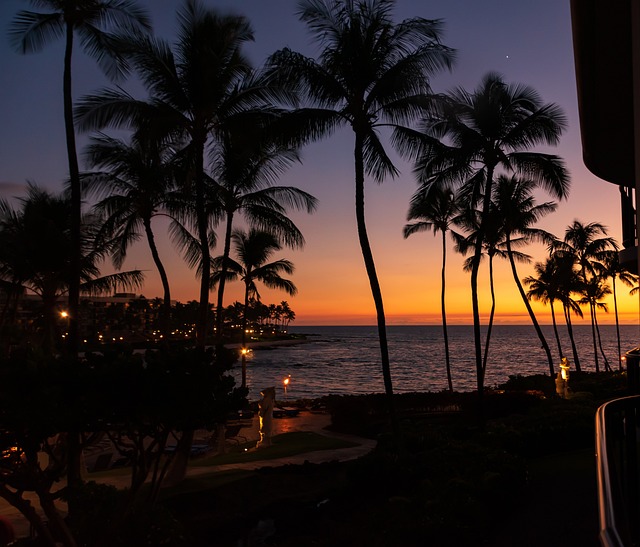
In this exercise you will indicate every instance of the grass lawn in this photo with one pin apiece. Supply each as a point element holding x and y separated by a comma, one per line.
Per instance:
<point>287,444</point>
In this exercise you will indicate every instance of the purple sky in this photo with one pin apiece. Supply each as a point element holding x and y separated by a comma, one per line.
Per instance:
<point>527,42</point>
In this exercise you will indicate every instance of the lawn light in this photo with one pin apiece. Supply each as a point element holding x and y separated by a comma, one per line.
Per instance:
<point>564,369</point>
<point>243,353</point>
<point>285,382</point>
<point>562,380</point>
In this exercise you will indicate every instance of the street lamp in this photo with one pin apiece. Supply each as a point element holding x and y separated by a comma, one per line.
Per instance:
<point>65,315</point>
<point>243,353</point>
<point>285,382</point>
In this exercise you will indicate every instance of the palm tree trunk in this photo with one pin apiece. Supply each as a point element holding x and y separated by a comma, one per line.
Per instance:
<point>178,468</point>
<point>367,255</point>
<point>607,366</point>
<point>221,284</point>
<point>574,349</point>
<point>486,204</point>
<point>555,329</point>
<point>536,326</point>
<point>491,316</point>
<point>444,313</point>
<point>593,334</point>
<point>50,330</point>
<point>165,315</point>
<point>74,475</point>
<point>615,309</point>
<point>76,198</point>
<point>203,236</point>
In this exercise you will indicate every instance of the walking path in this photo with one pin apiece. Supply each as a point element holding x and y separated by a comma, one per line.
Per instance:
<point>305,421</point>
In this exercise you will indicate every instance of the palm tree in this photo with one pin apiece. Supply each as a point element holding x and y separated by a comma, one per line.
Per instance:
<point>469,136</point>
<point>594,290</point>
<point>589,251</point>
<point>565,281</point>
<point>253,249</point>
<point>545,288</point>
<point>288,314</point>
<point>435,212</point>
<point>494,245</point>
<point>135,187</point>
<point>41,245</point>
<point>243,174</point>
<point>615,270</point>
<point>30,32</point>
<point>587,246</point>
<point>370,73</point>
<point>199,91</point>
<point>513,198</point>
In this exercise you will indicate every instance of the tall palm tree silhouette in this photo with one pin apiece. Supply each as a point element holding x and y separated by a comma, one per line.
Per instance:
<point>253,250</point>
<point>545,288</point>
<point>242,179</point>
<point>38,236</point>
<point>514,200</point>
<point>29,32</point>
<point>435,212</point>
<point>370,73</point>
<point>587,246</point>
<point>615,270</point>
<point>594,290</point>
<point>470,136</point>
<point>136,184</point>
<point>199,90</point>
<point>494,245</point>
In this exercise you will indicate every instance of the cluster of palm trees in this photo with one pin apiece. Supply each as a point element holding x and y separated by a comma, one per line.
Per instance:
<point>206,145</point>
<point>210,139</point>
<point>35,251</point>
<point>580,270</point>
<point>577,273</point>
<point>480,145</point>
<point>268,317</point>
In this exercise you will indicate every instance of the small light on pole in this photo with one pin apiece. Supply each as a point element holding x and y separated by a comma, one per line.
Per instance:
<point>65,316</point>
<point>285,382</point>
<point>244,352</point>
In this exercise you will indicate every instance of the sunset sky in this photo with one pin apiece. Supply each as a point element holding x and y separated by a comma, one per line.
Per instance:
<point>527,42</point>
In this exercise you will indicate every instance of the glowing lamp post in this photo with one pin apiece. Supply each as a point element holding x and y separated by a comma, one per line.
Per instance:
<point>244,352</point>
<point>65,316</point>
<point>564,369</point>
<point>285,383</point>
<point>562,380</point>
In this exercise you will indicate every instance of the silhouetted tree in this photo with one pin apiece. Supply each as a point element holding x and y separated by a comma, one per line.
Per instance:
<point>470,135</point>
<point>253,249</point>
<point>587,246</point>
<point>615,270</point>
<point>134,187</point>
<point>435,211</point>
<point>516,205</point>
<point>91,21</point>
<point>371,72</point>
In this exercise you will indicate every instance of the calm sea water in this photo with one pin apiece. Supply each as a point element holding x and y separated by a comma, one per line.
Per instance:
<point>346,360</point>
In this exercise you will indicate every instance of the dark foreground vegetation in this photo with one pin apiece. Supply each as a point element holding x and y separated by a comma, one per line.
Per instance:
<point>518,470</point>
<point>525,475</point>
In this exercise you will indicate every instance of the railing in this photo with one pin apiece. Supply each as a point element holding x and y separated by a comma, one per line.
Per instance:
<point>617,438</point>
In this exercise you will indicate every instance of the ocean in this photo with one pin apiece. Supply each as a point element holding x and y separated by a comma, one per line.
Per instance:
<point>346,359</point>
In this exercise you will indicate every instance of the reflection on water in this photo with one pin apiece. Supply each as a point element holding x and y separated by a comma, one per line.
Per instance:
<point>346,360</point>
